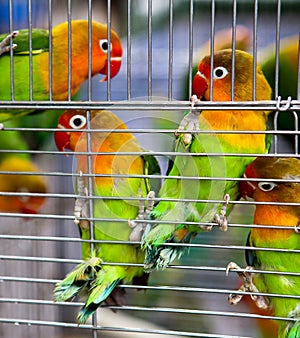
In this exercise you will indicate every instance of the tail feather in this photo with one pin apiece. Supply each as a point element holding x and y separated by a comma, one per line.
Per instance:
<point>77,280</point>
<point>101,289</point>
<point>158,254</point>
<point>293,328</point>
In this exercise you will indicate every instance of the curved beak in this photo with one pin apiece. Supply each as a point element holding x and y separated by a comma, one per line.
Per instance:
<point>62,139</point>
<point>247,188</point>
<point>115,65</point>
<point>200,84</point>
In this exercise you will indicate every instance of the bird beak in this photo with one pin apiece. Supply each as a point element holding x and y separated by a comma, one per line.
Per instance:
<point>247,188</point>
<point>62,139</point>
<point>115,65</point>
<point>200,85</point>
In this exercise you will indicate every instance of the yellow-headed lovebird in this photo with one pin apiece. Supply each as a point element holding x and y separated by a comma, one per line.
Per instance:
<point>41,59</point>
<point>13,180</point>
<point>118,192</point>
<point>190,176</point>
<point>277,182</point>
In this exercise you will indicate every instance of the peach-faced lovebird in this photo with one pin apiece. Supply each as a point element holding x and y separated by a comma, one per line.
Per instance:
<point>117,189</point>
<point>41,59</point>
<point>190,177</point>
<point>276,189</point>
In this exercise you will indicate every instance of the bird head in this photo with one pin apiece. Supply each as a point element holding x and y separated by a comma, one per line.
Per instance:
<point>101,48</point>
<point>268,171</point>
<point>222,75</point>
<point>66,138</point>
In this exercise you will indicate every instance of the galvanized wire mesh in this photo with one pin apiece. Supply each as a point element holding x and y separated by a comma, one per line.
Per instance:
<point>189,299</point>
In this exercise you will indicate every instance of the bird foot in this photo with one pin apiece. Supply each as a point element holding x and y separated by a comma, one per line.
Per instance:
<point>5,45</point>
<point>190,122</point>
<point>248,286</point>
<point>80,207</point>
<point>139,227</point>
<point>221,218</point>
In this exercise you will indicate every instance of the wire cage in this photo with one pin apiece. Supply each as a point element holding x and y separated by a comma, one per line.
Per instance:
<point>162,43</point>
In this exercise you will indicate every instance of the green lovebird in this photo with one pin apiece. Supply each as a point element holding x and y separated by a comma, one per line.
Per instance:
<point>118,201</point>
<point>270,186</point>
<point>190,178</point>
<point>40,63</point>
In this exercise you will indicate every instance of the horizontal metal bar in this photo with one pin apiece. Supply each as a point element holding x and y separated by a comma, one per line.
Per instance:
<point>117,329</point>
<point>270,105</point>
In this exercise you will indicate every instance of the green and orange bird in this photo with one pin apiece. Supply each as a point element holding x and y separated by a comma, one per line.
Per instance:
<point>190,177</point>
<point>97,279</point>
<point>59,60</point>
<point>276,180</point>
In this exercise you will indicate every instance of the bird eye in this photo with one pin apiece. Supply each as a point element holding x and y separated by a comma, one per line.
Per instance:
<point>77,121</point>
<point>104,45</point>
<point>220,73</point>
<point>267,186</point>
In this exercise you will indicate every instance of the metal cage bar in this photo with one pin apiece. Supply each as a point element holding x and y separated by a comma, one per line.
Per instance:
<point>189,298</point>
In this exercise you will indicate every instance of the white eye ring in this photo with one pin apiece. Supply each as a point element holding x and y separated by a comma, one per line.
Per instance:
<point>77,121</point>
<point>103,43</point>
<point>220,73</point>
<point>266,186</point>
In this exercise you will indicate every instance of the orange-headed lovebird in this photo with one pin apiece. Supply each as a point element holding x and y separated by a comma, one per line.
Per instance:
<point>117,202</point>
<point>277,181</point>
<point>199,169</point>
<point>40,62</point>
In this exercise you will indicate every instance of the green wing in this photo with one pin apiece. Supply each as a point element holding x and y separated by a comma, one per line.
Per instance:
<point>40,41</point>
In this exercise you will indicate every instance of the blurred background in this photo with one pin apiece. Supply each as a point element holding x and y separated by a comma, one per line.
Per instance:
<point>31,265</point>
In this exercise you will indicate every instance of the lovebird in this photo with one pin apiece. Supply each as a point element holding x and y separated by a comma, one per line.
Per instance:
<point>40,63</point>
<point>270,186</point>
<point>118,201</point>
<point>190,176</point>
<point>16,183</point>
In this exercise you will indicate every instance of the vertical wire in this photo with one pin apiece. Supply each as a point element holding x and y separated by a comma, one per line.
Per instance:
<point>149,49</point>
<point>69,17</point>
<point>89,84</point>
<point>12,87</point>
<point>89,146</point>
<point>298,97</point>
<point>277,60</point>
<point>190,63</point>
<point>129,50</point>
<point>171,48</point>
<point>255,23</point>
<point>298,83</point>
<point>91,200</point>
<point>108,53</point>
<point>234,14</point>
<point>212,46</point>
<point>30,50</point>
<point>296,123</point>
<point>50,48</point>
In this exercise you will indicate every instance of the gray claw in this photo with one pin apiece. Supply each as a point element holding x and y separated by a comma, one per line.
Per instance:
<point>190,122</point>
<point>248,286</point>
<point>221,218</point>
<point>5,45</point>
<point>80,207</point>
<point>139,227</point>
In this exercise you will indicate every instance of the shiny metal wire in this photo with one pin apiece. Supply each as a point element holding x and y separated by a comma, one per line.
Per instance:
<point>189,299</point>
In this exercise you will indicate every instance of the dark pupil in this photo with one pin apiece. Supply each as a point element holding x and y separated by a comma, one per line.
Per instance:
<point>77,122</point>
<point>267,186</point>
<point>219,72</point>
<point>105,45</point>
